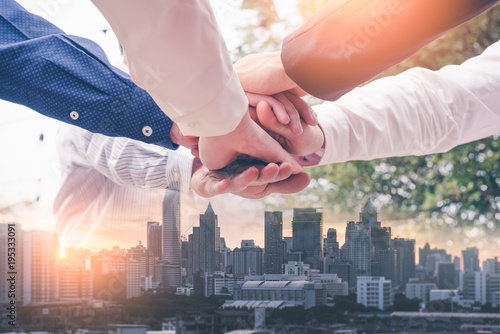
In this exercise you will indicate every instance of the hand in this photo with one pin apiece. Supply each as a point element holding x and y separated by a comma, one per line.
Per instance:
<point>288,108</point>
<point>249,182</point>
<point>263,73</point>
<point>176,136</point>
<point>248,139</point>
<point>308,142</point>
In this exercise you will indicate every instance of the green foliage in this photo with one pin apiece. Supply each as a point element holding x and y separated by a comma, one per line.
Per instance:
<point>152,308</point>
<point>403,304</point>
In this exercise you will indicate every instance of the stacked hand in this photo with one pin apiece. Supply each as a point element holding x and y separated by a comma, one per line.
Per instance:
<point>279,130</point>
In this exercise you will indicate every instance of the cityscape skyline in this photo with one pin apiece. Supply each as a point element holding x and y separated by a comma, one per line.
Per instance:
<point>401,228</point>
<point>205,266</point>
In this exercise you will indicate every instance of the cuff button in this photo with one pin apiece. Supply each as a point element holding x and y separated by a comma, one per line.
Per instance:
<point>74,115</point>
<point>147,131</point>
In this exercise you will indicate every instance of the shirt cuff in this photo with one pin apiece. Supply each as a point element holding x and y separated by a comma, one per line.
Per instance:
<point>178,170</point>
<point>221,116</point>
<point>335,127</point>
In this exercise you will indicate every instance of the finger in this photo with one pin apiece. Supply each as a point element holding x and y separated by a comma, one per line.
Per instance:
<point>269,174</point>
<point>195,152</point>
<point>285,171</point>
<point>268,120</point>
<point>304,109</point>
<point>292,112</point>
<point>293,184</point>
<point>278,108</point>
<point>243,180</point>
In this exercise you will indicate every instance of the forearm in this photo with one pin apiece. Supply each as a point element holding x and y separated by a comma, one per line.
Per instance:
<point>126,162</point>
<point>70,79</point>
<point>415,113</point>
<point>176,52</point>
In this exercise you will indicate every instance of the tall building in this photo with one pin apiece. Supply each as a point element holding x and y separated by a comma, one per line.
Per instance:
<point>248,259</point>
<point>146,263</point>
<point>386,264</point>
<point>448,276</point>
<point>154,231</point>
<point>368,245</point>
<point>430,259</point>
<point>405,260</point>
<point>374,292</point>
<point>172,238</point>
<point>491,266</point>
<point>204,245</point>
<point>471,259</point>
<point>275,246</point>
<point>382,259</point>
<point>110,275</point>
<point>40,267</point>
<point>330,244</point>
<point>357,248</point>
<point>75,275</point>
<point>307,231</point>
<point>473,285</point>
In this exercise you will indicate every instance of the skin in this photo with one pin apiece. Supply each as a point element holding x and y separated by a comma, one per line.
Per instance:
<point>247,181</point>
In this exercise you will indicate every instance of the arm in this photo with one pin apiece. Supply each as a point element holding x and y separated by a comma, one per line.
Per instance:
<point>414,113</point>
<point>176,52</point>
<point>124,161</point>
<point>135,164</point>
<point>349,42</point>
<point>70,79</point>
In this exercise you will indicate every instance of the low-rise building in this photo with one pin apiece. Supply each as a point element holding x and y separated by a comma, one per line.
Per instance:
<point>420,290</point>
<point>278,294</point>
<point>374,292</point>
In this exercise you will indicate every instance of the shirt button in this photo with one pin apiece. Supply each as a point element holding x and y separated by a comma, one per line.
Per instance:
<point>74,115</point>
<point>147,131</point>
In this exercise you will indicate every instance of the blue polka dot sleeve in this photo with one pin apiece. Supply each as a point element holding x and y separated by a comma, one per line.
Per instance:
<point>70,79</point>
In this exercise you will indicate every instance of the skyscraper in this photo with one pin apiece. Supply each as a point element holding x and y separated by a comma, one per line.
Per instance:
<point>331,245</point>
<point>307,233</point>
<point>275,246</point>
<point>405,260</point>
<point>368,245</point>
<point>172,238</point>
<point>154,245</point>
<point>357,248</point>
<point>75,275</point>
<point>204,245</point>
<point>40,269</point>
<point>247,259</point>
<point>471,259</point>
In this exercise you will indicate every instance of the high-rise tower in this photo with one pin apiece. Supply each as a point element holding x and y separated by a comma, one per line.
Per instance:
<point>172,238</point>
<point>307,229</point>
<point>275,247</point>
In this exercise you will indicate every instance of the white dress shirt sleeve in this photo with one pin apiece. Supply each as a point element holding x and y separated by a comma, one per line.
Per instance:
<point>415,113</point>
<point>125,161</point>
<point>176,52</point>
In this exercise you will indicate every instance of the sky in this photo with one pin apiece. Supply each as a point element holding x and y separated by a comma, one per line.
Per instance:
<point>29,167</point>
